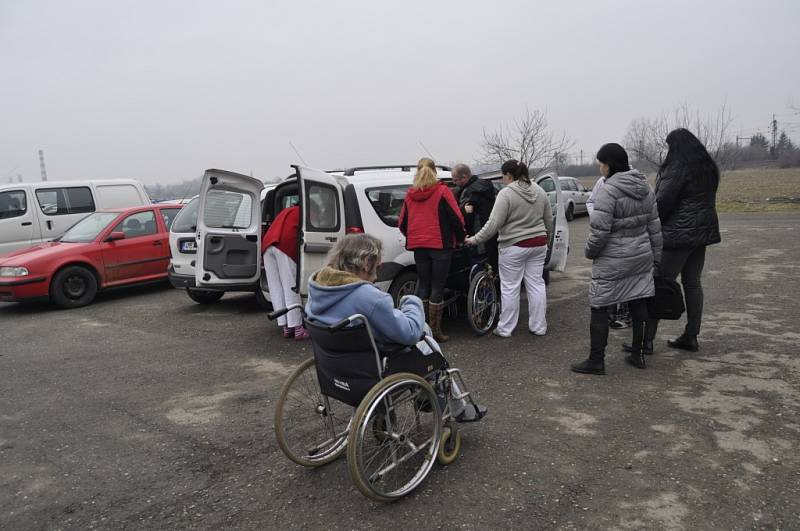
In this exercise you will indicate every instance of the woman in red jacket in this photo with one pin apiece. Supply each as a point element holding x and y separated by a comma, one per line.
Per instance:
<point>433,226</point>
<point>279,247</point>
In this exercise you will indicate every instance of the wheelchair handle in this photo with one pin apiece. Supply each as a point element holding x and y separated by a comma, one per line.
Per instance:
<point>283,311</point>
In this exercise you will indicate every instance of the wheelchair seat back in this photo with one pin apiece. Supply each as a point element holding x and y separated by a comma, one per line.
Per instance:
<point>345,361</point>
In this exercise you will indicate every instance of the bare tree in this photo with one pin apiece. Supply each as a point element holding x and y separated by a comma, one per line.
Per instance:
<point>645,137</point>
<point>527,139</point>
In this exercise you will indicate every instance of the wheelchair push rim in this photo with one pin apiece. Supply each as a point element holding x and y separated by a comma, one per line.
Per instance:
<point>483,303</point>
<point>395,437</point>
<point>311,428</point>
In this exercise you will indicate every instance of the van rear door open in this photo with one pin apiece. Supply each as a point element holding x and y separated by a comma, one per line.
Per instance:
<point>228,230</point>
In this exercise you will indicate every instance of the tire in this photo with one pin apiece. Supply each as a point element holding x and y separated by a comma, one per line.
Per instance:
<point>261,295</point>
<point>204,297</point>
<point>307,420</point>
<point>449,447</point>
<point>483,303</point>
<point>404,284</point>
<point>411,429</point>
<point>73,287</point>
<point>570,212</point>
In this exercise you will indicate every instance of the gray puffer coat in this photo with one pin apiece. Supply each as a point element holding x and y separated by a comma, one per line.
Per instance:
<point>624,240</point>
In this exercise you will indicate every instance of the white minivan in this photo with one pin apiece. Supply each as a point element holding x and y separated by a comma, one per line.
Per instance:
<point>231,220</point>
<point>31,213</point>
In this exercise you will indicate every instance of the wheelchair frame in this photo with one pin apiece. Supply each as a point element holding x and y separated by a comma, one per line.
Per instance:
<point>404,419</point>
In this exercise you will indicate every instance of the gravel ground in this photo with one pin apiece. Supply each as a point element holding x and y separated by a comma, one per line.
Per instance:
<point>146,410</point>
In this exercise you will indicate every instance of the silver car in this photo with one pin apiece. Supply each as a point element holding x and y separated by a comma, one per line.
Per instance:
<point>575,196</point>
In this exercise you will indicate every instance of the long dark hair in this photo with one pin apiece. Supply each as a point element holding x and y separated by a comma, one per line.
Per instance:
<point>517,169</point>
<point>615,156</point>
<point>684,147</point>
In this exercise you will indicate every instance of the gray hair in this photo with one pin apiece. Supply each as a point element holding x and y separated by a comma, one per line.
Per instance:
<point>356,252</point>
<point>462,170</point>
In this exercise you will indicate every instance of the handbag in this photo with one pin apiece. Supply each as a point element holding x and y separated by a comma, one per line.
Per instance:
<point>668,300</point>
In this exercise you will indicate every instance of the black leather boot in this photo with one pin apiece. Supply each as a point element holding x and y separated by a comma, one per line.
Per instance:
<point>636,357</point>
<point>684,342</point>
<point>647,347</point>
<point>598,336</point>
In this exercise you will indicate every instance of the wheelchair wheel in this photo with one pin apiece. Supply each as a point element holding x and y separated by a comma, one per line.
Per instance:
<point>483,303</point>
<point>450,446</point>
<point>310,427</point>
<point>394,437</point>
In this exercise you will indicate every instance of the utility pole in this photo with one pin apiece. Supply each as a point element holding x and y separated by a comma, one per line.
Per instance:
<point>774,135</point>
<point>41,165</point>
<point>581,157</point>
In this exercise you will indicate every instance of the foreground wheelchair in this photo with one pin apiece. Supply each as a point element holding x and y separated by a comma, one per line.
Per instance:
<point>395,410</point>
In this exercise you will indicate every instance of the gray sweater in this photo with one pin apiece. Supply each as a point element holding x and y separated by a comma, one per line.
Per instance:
<point>521,211</point>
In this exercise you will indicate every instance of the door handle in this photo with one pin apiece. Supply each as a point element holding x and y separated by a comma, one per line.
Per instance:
<point>49,225</point>
<point>27,223</point>
<point>158,242</point>
<point>331,238</point>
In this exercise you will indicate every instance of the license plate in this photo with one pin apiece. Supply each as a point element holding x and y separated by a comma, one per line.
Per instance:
<point>188,247</point>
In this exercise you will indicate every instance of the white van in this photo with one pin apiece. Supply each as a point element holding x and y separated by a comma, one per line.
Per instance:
<point>231,219</point>
<point>31,213</point>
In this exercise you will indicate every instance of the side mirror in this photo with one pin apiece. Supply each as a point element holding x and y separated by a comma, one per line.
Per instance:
<point>114,236</point>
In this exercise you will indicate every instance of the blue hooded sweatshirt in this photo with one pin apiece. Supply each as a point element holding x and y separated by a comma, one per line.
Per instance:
<point>334,295</point>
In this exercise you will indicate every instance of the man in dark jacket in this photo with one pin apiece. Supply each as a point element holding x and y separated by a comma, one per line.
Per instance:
<point>476,200</point>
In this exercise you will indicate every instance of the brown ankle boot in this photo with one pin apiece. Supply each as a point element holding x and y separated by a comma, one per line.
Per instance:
<point>436,310</point>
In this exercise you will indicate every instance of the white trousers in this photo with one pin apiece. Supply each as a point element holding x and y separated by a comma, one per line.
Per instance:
<point>281,277</point>
<point>518,264</point>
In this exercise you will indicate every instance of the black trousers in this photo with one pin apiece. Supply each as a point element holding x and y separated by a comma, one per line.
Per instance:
<point>433,268</point>
<point>598,326</point>
<point>689,263</point>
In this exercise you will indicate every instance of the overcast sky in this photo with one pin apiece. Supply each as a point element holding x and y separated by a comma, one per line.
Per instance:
<point>161,90</point>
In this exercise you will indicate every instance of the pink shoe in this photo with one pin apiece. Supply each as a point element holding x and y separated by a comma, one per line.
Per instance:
<point>288,332</point>
<point>300,333</point>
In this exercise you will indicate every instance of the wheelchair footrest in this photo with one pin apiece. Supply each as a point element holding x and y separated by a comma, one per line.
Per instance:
<point>472,413</point>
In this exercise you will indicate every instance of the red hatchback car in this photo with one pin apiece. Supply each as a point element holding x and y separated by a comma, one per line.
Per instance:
<point>105,249</point>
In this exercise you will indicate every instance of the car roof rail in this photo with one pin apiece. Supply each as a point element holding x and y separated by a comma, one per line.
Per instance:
<point>349,172</point>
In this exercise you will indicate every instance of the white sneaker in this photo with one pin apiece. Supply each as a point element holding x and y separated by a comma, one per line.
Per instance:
<point>499,334</point>
<point>539,333</point>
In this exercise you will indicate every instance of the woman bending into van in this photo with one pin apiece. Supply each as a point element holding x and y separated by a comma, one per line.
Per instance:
<point>523,219</point>
<point>433,226</point>
<point>279,246</point>
<point>624,243</point>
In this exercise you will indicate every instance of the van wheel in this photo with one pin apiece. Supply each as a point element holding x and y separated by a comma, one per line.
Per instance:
<point>570,213</point>
<point>73,287</point>
<point>404,284</point>
<point>261,299</point>
<point>204,297</point>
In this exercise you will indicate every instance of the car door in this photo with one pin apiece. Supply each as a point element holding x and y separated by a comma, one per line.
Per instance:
<point>143,253</point>
<point>559,242</point>
<point>19,225</point>
<point>228,230</point>
<point>321,220</point>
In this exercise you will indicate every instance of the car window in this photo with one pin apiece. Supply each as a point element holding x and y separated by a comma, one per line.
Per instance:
<point>322,211</point>
<point>581,187</point>
<point>139,224</point>
<point>228,210</point>
<point>12,204</point>
<point>168,215</point>
<point>387,202</point>
<point>89,227</point>
<point>60,201</point>
<point>547,184</point>
<point>568,184</point>
<point>186,219</point>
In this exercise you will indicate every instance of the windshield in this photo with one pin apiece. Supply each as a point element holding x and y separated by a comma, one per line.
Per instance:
<point>186,220</point>
<point>89,227</point>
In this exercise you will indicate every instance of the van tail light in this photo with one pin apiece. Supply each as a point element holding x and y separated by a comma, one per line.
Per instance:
<point>354,230</point>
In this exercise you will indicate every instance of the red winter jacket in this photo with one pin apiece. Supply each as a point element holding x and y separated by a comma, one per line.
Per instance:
<point>431,219</point>
<point>282,233</point>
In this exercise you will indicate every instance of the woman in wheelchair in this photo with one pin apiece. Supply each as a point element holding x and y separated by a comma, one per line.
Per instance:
<point>345,287</point>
